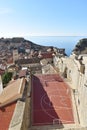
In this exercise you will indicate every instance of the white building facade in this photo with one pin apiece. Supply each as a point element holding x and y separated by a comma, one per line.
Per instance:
<point>1,85</point>
<point>75,70</point>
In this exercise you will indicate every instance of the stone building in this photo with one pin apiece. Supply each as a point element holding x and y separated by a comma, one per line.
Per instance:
<point>15,54</point>
<point>12,105</point>
<point>1,85</point>
<point>74,70</point>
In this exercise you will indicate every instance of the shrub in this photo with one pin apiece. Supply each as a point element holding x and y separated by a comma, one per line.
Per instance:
<point>6,77</point>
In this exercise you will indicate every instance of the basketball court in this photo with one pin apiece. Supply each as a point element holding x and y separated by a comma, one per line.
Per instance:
<point>51,101</point>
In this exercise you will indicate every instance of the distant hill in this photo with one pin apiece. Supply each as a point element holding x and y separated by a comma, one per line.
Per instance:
<point>81,47</point>
<point>17,40</point>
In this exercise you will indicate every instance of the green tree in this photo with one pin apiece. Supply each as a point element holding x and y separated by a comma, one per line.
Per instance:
<point>6,77</point>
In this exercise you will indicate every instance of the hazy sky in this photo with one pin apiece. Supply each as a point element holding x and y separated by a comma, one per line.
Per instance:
<point>43,17</point>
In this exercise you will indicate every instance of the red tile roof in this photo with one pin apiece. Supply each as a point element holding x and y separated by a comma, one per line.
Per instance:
<point>6,114</point>
<point>1,72</point>
<point>46,55</point>
<point>10,61</point>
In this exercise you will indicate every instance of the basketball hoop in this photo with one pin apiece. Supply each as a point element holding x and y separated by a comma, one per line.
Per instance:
<point>56,121</point>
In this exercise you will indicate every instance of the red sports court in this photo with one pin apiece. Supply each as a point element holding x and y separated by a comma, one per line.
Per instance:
<point>51,100</point>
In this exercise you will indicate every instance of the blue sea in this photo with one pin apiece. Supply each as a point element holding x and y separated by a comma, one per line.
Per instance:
<point>67,42</point>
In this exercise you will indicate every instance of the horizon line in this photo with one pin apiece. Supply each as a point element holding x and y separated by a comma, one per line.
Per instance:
<point>57,36</point>
<point>44,36</point>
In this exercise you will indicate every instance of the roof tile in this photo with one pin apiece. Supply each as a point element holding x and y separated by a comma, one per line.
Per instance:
<point>6,114</point>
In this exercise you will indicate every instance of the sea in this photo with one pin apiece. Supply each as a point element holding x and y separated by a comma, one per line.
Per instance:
<point>67,42</point>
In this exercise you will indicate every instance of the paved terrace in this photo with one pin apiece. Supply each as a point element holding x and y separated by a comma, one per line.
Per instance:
<point>52,102</point>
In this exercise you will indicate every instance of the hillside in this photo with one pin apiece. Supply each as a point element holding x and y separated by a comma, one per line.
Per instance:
<point>81,47</point>
<point>20,42</point>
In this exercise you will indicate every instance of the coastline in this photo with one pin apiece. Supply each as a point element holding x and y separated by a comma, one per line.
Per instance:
<point>67,42</point>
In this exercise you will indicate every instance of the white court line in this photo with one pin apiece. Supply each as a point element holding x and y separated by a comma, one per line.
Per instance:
<point>63,98</point>
<point>44,108</point>
<point>43,99</point>
<point>61,121</point>
<point>67,121</point>
<point>56,107</point>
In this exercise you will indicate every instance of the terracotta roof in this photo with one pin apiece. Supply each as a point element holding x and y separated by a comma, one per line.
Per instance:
<point>6,114</point>
<point>1,71</point>
<point>47,55</point>
<point>10,61</point>
<point>12,92</point>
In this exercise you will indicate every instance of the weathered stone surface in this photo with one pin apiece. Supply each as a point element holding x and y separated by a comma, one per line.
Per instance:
<point>17,118</point>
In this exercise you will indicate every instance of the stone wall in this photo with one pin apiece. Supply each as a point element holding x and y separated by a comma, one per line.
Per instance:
<point>48,69</point>
<point>82,128</point>
<point>1,85</point>
<point>21,117</point>
<point>26,123</point>
<point>17,118</point>
<point>70,68</point>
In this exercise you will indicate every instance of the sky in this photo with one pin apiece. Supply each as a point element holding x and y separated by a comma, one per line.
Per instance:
<point>43,18</point>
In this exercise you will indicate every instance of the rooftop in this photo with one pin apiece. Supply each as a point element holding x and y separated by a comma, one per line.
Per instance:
<point>28,61</point>
<point>12,92</point>
<point>47,55</point>
<point>6,114</point>
<point>8,101</point>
